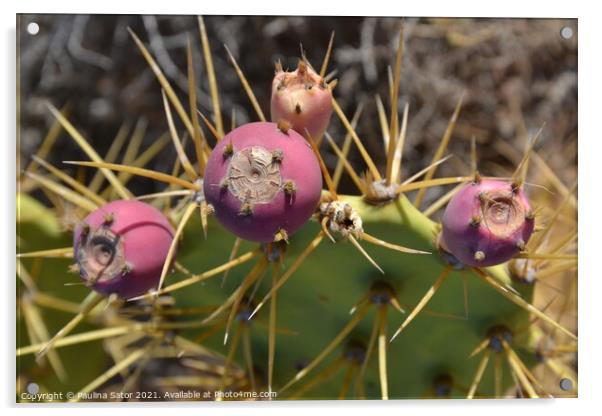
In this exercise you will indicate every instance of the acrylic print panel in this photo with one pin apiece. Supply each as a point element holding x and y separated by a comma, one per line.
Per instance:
<point>325,208</point>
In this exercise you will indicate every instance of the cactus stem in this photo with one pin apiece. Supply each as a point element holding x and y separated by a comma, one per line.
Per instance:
<point>478,375</point>
<point>292,269</point>
<point>425,299</point>
<point>515,298</point>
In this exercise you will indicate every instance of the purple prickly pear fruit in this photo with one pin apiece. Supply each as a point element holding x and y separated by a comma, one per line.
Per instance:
<point>486,223</point>
<point>303,99</point>
<point>263,181</point>
<point>120,248</point>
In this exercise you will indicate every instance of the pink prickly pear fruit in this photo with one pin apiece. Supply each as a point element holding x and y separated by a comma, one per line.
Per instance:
<point>263,181</point>
<point>120,248</point>
<point>303,99</point>
<point>487,222</point>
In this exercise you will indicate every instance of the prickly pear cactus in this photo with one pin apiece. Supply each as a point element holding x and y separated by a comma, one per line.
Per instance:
<point>269,265</point>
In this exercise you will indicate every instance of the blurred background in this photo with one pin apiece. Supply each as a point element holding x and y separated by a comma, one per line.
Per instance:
<point>516,73</point>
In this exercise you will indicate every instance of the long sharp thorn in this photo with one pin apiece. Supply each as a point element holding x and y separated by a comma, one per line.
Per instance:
<point>198,137</point>
<point>162,177</point>
<point>327,178</point>
<point>174,243</point>
<point>520,173</point>
<point>248,354</point>
<point>64,192</point>
<point>89,150</point>
<point>87,305</point>
<point>296,264</point>
<point>524,381</point>
<point>521,302</point>
<point>376,241</point>
<point>425,299</point>
<point>364,253</point>
<point>365,155</point>
<point>497,375</point>
<point>478,375</point>
<point>425,170</point>
<point>192,175</point>
<point>246,86</point>
<point>428,183</point>
<point>205,275</point>
<point>110,373</point>
<point>272,328</point>
<point>217,112</point>
<point>320,377</point>
<point>327,56</point>
<point>482,345</point>
<point>441,149</point>
<point>344,163</point>
<point>382,353</point>
<point>77,186</point>
<point>171,94</point>
<point>382,119</point>
<point>394,118</point>
<point>347,379</point>
<point>239,294</point>
<point>438,204</point>
<point>233,253</point>
<point>398,155</point>
<point>338,171</point>
<point>369,348</point>
<point>362,310</point>
<point>64,253</point>
<point>210,126</point>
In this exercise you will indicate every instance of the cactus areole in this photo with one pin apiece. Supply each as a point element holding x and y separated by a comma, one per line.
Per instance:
<point>487,223</point>
<point>263,181</point>
<point>120,248</point>
<point>303,99</point>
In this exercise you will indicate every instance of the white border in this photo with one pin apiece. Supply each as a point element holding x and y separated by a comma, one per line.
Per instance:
<point>590,151</point>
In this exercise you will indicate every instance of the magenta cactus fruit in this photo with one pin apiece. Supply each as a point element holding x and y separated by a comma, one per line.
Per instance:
<point>121,247</point>
<point>303,99</point>
<point>263,181</point>
<point>486,223</point>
